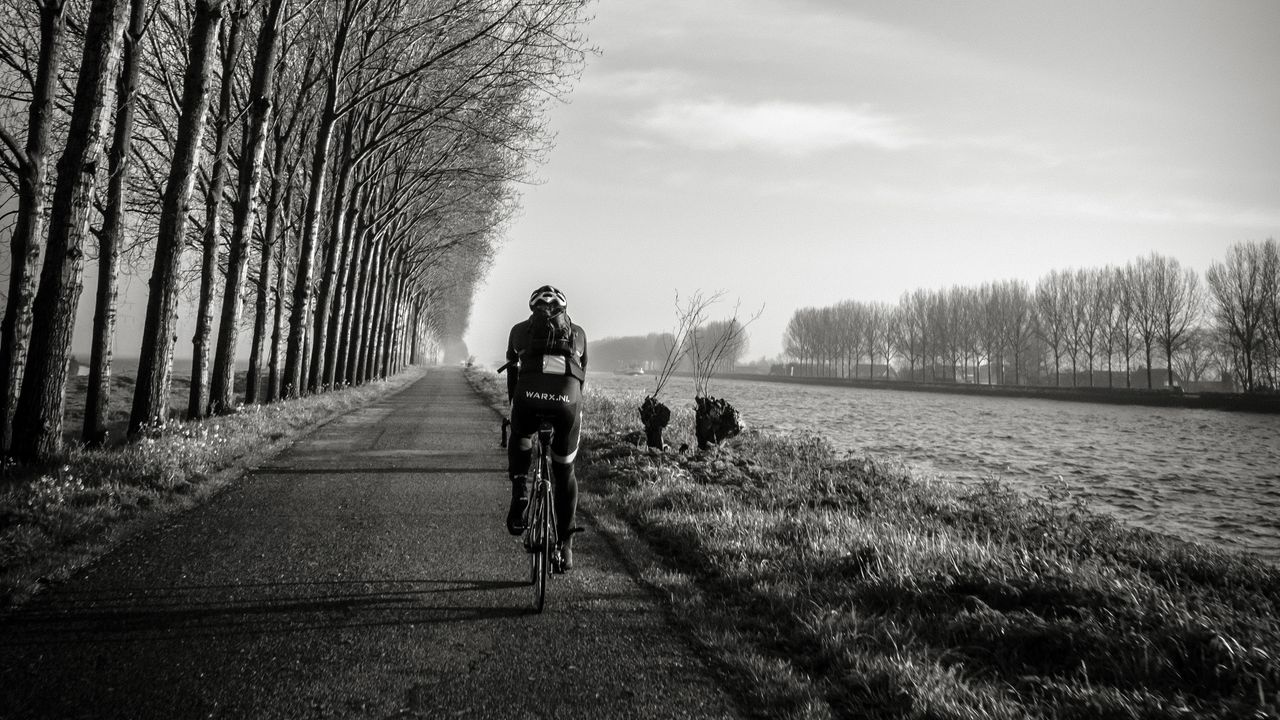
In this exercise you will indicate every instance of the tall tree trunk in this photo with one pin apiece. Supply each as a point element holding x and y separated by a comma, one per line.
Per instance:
<point>402,328</point>
<point>222,388</point>
<point>1151,382</point>
<point>338,280</point>
<point>373,323</point>
<point>27,240</point>
<point>360,315</point>
<point>282,290</point>
<point>1128,368</point>
<point>392,349</point>
<point>334,258</point>
<point>414,352</point>
<point>261,306</point>
<point>395,283</point>
<point>150,397</point>
<point>104,317</point>
<point>40,404</point>
<point>350,298</point>
<point>277,324</point>
<point>385,280</point>
<point>299,317</point>
<point>198,391</point>
<point>199,400</point>
<point>379,306</point>
<point>264,276</point>
<point>305,359</point>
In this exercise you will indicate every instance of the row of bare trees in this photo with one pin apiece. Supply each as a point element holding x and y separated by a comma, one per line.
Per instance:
<point>1152,313</point>
<point>331,174</point>
<point>1245,289</point>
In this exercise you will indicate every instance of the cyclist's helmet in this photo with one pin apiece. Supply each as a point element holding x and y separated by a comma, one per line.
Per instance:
<point>549,298</point>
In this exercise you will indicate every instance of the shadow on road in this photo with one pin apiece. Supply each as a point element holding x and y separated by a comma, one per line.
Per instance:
<point>204,611</point>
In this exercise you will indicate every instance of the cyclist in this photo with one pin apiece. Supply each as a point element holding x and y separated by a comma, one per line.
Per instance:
<point>547,357</point>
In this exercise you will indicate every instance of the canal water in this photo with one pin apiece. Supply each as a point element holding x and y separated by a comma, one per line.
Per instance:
<point>1207,475</point>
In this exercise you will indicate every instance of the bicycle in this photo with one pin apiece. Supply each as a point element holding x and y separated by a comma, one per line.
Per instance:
<point>540,518</point>
<point>540,513</point>
<point>540,539</point>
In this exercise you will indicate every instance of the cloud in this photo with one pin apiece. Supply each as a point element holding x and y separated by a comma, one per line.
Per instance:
<point>641,84</point>
<point>787,128</point>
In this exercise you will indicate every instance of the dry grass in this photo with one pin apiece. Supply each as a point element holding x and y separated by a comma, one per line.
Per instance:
<point>839,586</point>
<point>56,517</point>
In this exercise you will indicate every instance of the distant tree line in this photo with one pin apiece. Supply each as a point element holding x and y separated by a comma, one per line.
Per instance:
<point>650,352</point>
<point>1095,325</point>
<point>330,175</point>
<point>647,352</point>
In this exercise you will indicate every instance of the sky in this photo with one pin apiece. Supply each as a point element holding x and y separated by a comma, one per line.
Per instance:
<point>800,153</point>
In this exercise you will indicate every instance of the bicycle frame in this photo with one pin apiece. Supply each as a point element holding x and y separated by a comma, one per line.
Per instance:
<point>540,518</point>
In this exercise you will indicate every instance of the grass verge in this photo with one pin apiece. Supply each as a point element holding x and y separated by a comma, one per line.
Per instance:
<point>828,585</point>
<point>56,517</point>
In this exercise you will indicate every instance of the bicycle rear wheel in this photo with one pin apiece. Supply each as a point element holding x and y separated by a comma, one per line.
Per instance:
<point>539,559</point>
<point>533,561</point>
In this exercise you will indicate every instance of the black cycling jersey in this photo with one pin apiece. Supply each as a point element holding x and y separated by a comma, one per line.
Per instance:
<point>521,360</point>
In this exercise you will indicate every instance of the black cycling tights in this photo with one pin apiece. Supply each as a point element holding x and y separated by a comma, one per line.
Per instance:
<point>535,400</point>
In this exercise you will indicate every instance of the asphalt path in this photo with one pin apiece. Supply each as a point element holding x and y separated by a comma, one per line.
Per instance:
<point>364,572</point>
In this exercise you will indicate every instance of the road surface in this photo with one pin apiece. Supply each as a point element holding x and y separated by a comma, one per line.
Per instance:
<point>363,573</point>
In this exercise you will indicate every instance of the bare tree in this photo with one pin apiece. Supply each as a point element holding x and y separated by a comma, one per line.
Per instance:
<point>261,89</point>
<point>1143,283</point>
<point>988,331</point>
<point>201,358</point>
<point>284,167</point>
<point>111,238</point>
<point>889,320</point>
<point>1271,312</point>
<point>911,317</point>
<point>1053,316</point>
<point>1197,354</point>
<point>1092,311</point>
<point>61,279</point>
<point>709,345</point>
<point>875,323</point>
<point>150,401</point>
<point>1017,322</point>
<point>1127,325</point>
<point>283,263</point>
<point>1237,288</point>
<point>1110,304</point>
<point>797,338</point>
<point>1178,308</point>
<point>849,325</point>
<point>29,162</point>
